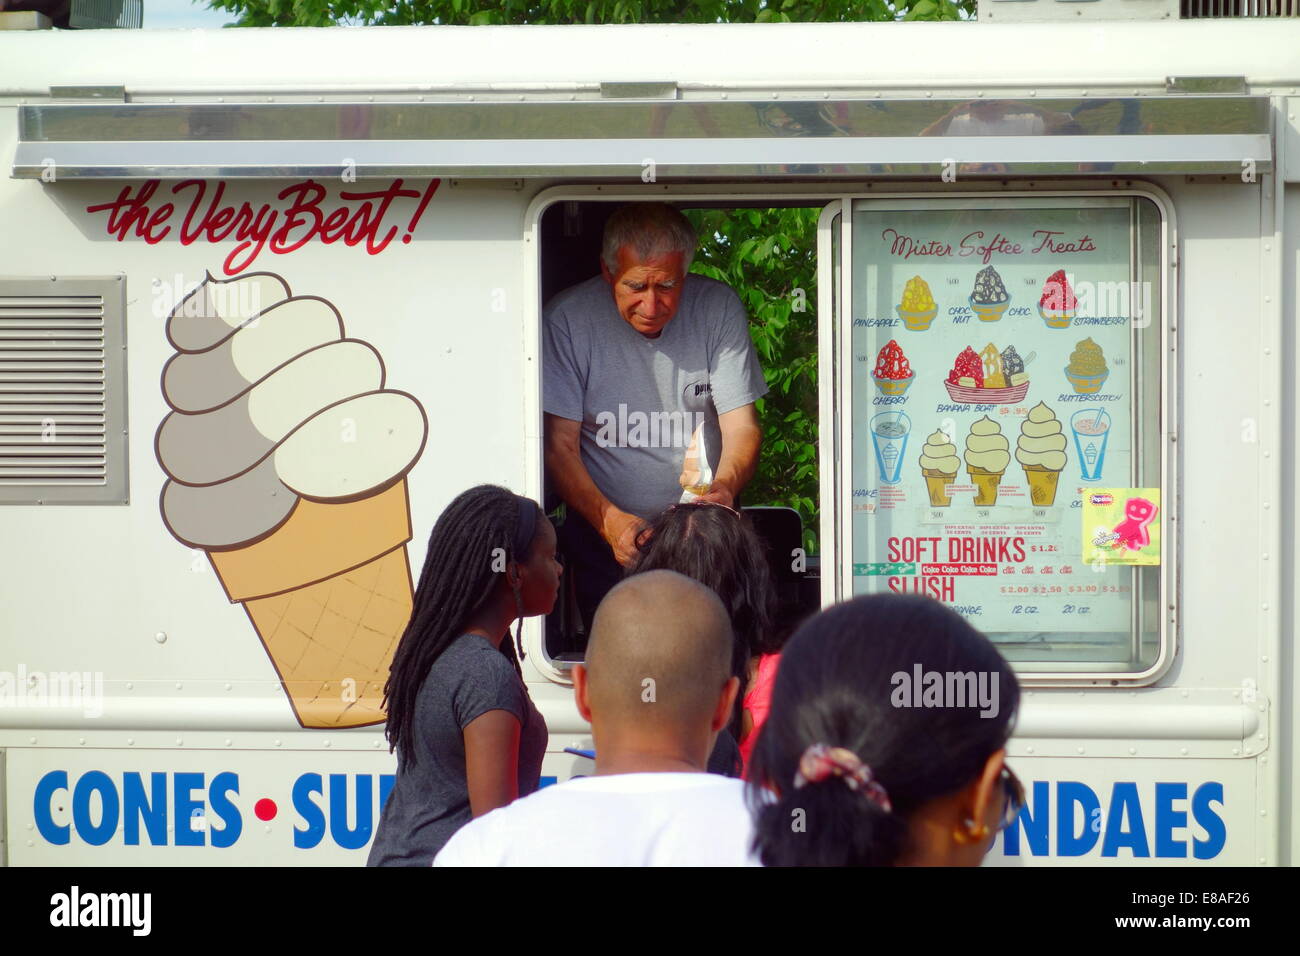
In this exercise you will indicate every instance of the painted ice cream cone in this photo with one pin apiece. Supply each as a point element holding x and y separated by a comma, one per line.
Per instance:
<point>1041,452</point>
<point>939,464</point>
<point>987,456</point>
<point>286,459</point>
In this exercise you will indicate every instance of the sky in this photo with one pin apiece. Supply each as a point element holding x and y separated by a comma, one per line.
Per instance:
<point>182,15</point>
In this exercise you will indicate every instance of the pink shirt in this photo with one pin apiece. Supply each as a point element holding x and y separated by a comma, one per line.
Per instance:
<point>758,701</point>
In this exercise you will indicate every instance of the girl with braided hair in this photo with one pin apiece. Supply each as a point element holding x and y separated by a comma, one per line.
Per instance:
<point>467,736</point>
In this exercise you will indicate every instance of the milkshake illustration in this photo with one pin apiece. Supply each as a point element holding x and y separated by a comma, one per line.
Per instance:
<point>889,431</point>
<point>286,459</point>
<point>1041,452</point>
<point>989,298</point>
<point>987,456</point>
<point>1091,428</point>
<point>1087,370</point>
<point>918,308</point>
<point>939,464</point>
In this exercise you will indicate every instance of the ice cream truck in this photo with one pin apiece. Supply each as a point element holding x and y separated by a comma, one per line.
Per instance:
<point>269,299</point>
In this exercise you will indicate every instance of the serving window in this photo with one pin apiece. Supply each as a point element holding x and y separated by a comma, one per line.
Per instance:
<point>1003,375</point>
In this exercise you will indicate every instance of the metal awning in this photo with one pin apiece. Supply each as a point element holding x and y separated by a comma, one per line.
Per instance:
<point>619,138</point>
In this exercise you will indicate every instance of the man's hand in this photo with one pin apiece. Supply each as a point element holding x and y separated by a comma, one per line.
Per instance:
<point>620,530</point>
<point>741,440</point>
<point>719,493</point>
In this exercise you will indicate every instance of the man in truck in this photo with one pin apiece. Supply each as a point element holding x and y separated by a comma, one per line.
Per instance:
<point>649,385</point>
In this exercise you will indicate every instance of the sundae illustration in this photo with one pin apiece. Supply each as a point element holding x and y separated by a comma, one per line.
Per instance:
<point>1041,453</point>
<point>1091,428</point>
<point>989,298</point>
<point>1087,369</point>
<point>1057,305</point>
<point>939,464</point>
<point>989,377</point>
<point>889,431</point>
<point>918,308</point>
<point>286,460</point>
<point>987,456</point>
<point>893,372</point>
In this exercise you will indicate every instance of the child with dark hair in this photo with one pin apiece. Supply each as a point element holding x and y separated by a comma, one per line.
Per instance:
<point>467,735</point>
<point>718,547</point>
<point>886,741</point>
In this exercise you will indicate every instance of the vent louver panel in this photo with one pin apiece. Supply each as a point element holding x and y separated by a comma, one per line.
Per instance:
<point>1238,9</point>
<point>63,434</point>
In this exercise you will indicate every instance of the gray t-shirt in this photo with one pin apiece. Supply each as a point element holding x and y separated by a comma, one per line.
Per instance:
<point>430,798</point>
<point>640,400</point>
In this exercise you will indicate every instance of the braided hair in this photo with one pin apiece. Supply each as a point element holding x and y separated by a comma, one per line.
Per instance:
<point>461,570</point>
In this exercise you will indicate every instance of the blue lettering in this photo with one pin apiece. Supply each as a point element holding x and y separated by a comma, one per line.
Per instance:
<point>1168,819</point>
<point>386,781</point>
<point>356,838</point>
<point>232,822</point>
<point>1070,793</point>
<point>1216,833</point>
<point>151,810</point>
<point>95,781</point>
<point>45,789</point>
<point>1125,797</point>
<point>183,785</point>
<point>311,814</point>
<point>1035,823</point>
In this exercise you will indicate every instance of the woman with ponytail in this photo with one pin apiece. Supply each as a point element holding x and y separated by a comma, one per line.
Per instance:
<point>886,741</point>
<point>467,735</point>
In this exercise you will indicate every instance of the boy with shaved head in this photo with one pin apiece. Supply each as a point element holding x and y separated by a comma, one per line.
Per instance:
<point>656,688</point>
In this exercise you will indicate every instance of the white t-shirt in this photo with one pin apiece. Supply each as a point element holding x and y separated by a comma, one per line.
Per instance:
<point>627,819</point>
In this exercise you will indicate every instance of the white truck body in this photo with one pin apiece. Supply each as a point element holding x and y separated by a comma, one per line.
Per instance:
<point>182,747</point>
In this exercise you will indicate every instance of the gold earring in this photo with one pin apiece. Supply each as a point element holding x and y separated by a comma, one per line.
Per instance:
<point>969,833</point>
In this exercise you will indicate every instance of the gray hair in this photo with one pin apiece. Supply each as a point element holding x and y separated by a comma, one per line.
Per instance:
<point>650,229</point>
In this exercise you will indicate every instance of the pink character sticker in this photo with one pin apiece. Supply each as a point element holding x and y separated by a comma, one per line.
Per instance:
<point>1132,532</point>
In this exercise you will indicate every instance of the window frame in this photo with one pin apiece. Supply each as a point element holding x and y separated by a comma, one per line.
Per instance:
<point>1167,600</point>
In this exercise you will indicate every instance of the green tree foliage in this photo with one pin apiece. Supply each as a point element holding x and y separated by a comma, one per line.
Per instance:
<point>769,256</point>
<point>324,13</point>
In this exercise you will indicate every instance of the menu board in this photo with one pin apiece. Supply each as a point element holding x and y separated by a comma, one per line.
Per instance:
<point>993,347</point>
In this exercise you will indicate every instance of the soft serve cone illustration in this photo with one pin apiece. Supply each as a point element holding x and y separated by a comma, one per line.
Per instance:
<point>987,456</point>
<point>939,464</point>
<point>1041,453</point>
<point>287,460</point>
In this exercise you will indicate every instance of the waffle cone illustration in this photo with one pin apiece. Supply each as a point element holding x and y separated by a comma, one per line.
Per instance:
<point>329,593</point>
<point>986,485</point>
<point>1042,484</point>
<point>936,483</point>
<point>286,460</point>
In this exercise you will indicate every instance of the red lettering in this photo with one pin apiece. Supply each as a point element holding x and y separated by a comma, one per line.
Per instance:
<point>284,228</point>
<point>129,213</point>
